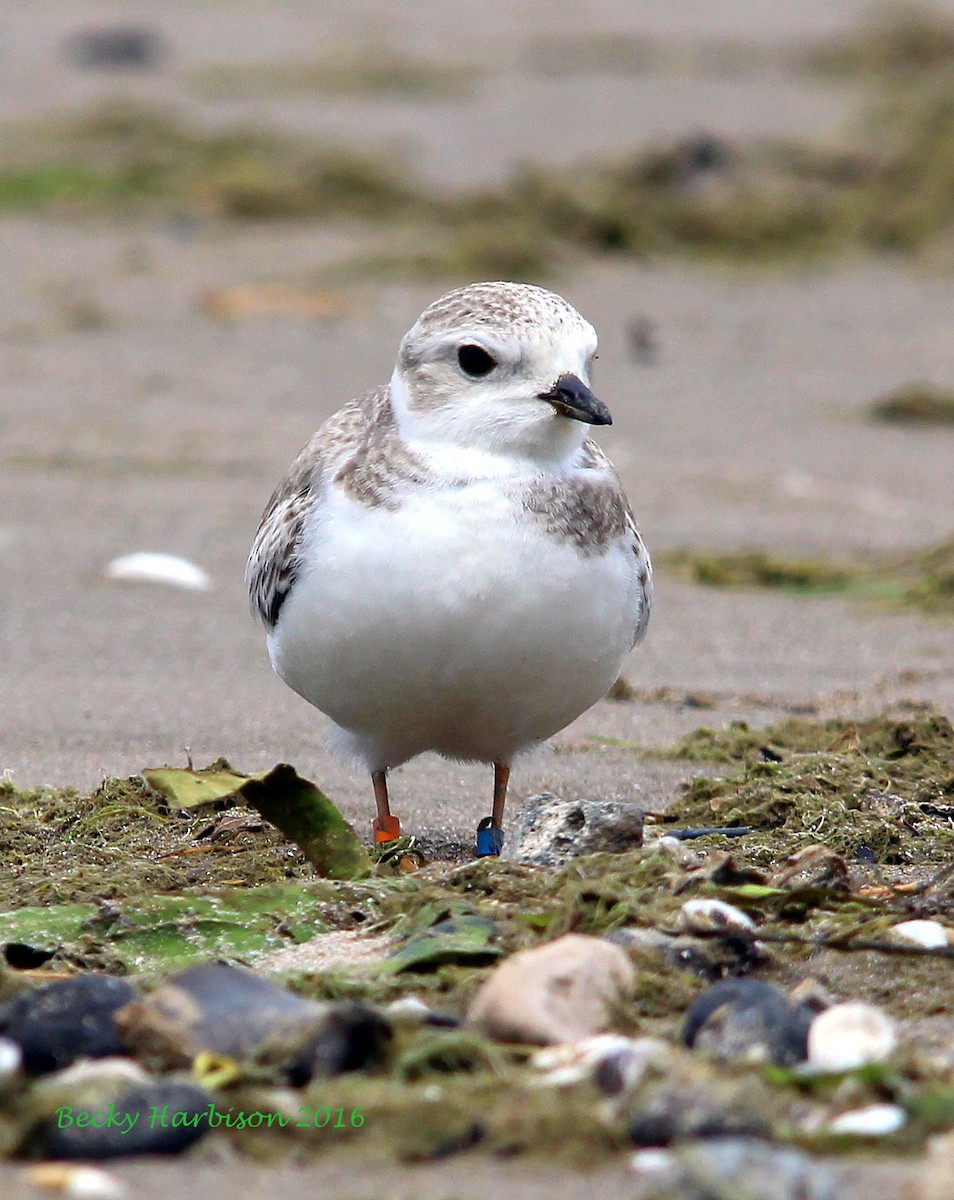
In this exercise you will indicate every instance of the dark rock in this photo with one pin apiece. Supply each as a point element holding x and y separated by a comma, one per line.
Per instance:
<point>750,1020</point>
<point>550,830</point>
<point>157,1118</point>
<point>118,47</point>
<point>352,1038</point>
<point>222,1010</point>
<point>672,1114</point>
<point>72,1018</point>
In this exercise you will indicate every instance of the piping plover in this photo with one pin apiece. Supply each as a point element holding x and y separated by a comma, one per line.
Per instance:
<point>451,564</point>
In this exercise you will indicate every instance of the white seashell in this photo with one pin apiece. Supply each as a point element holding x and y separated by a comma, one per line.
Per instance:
<point>714,916</point>
<point>148,567</point>
<point>876,1120</point>
<point>930,934</point>
<point>847,1036</point>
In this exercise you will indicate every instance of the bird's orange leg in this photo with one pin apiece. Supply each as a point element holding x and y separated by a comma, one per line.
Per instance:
<point>490,830</point>
<point>386,828</point>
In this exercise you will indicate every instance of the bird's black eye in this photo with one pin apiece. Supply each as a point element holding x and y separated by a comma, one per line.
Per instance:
<point>475,361</point>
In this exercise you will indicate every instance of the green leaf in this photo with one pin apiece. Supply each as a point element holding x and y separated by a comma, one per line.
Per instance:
<point>458,940</point>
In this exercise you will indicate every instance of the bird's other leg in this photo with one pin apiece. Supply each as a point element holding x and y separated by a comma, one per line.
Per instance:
<point>386,828</point>
<point>490,835</point>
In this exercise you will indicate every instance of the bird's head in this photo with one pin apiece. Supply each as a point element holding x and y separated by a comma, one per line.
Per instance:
<point>498,367</point>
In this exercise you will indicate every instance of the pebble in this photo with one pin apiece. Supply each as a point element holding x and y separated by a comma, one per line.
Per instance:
<point>548,830</point>
<point>932,935</point>
<point>59,1022</point>
<point>674,1112</point>
<point>77,1183</point>
<point>562,991</point>
<point>222,1010</point>
<point>750,1021</point>
<point>875,1120</point>
<point>148,567</point>
<point>352,1037</point>
<point>714,917</point>
<point>850,1035</point>
<point>11,1061</point>
<point>150,1110</point>
<point>736,1169</point>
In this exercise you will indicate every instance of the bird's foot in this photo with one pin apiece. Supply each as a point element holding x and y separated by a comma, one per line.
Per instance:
<point>490,838</point>
<point>386,829</point>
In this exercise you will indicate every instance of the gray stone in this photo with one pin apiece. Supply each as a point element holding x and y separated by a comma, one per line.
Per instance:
<point>549,830</point>
<point>560,992</point>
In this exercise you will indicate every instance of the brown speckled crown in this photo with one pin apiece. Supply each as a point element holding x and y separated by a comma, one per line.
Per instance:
<point>515,306</point>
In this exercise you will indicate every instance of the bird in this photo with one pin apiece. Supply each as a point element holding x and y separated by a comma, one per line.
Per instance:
<point>451,563</point>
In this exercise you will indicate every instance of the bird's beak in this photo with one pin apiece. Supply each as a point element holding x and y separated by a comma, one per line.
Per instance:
<point>572,398</point>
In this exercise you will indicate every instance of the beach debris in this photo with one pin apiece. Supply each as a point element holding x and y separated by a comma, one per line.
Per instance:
<point>458,939</point>
<point>706,917</point>
<point>748,1020</point>
<point>550,830</point>
<point>307,817</point>
<point>562,991</point>
<point>147,566</point>
<point>931,935</point>
<point>848,1036</point>
<point>814,867</point>
<point>875,1120</point>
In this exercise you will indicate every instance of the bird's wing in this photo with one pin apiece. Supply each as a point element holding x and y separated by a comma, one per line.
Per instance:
<point>274,562</point>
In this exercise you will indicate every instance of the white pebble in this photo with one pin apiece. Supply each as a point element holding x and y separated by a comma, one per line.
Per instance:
<point>650,1162</point>
<point>930,934</point>
<point>77,1182</point>
<point>847,1036</point>
<point>877,1120</point>
<point>11,1058</point>
<point>714,916</point>
<point>149,567</point>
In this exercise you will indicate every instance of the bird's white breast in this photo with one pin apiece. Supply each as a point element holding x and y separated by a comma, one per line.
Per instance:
<point>452,622</point>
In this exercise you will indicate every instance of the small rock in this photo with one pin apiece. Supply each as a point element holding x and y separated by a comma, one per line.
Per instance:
<point>549,830</point>
<point>813,867</point>
<point>748,1020</point>
<point>116,47</point>
<point>353,1037</point>
<point>11,1062</point>
<point>876,1120</point>
<point>559,992</point>
<point>148,567</point>
<point>851,1035</point>
<point>223,1010</point>
<point>76,1183</point>
<point>164,1117</point>
<point>741,1169</point>
<point>671,1114</point>
<point>714,917</point>
<point>932,935</point>
<point>72,1018</point>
